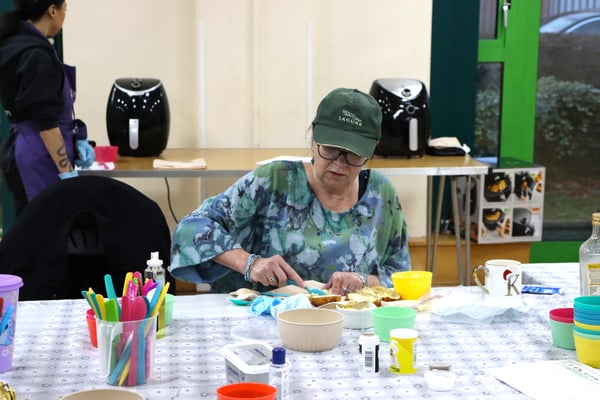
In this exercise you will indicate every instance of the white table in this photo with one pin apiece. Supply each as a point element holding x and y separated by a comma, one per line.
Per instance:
<point>53,355</point>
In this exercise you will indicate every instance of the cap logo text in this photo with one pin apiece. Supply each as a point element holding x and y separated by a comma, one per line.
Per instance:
<point>350,118</point>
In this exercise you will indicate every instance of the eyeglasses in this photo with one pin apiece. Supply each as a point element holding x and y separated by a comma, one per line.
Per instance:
<point>333,153</point>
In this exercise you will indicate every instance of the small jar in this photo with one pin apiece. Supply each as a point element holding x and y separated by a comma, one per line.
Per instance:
<point>368,347</point>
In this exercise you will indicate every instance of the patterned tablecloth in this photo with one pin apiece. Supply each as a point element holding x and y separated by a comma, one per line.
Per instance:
<point>53,355</point>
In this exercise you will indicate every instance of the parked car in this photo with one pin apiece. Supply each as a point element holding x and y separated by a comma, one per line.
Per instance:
<point>575,23</point>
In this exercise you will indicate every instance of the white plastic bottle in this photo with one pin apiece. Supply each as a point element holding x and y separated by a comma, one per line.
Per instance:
<point>589,261</point>
<point>279,373</point>
<point>368,347</point>
<point>155,269</point>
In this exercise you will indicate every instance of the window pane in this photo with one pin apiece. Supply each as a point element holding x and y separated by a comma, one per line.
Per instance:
<point>567,133</point>
<point>487,111</point>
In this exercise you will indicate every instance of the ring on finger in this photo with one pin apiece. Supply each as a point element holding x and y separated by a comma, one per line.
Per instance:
<point>272,279</point>
<point>345,289</point>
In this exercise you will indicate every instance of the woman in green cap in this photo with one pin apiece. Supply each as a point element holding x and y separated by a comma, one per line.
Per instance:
<point>329,220</point>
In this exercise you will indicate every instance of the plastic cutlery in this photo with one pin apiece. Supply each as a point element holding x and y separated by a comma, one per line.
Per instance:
<point>112,311</point>
<point>161,297</point>
<point>137,277</point>
<point>138,312</point>
<point>128,277</point>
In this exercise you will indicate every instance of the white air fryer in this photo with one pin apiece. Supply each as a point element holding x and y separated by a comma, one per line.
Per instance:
<point>137,117</point>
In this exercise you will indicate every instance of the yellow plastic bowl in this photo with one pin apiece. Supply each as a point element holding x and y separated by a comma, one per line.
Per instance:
<point>411,285</point>
<point>310,329</point>
<point>588,351</point>
<point>587,326</point>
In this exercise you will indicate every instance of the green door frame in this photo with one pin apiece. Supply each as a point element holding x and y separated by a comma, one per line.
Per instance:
<point>516,47</point>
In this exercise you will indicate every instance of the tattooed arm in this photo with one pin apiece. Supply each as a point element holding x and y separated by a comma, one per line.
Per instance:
<point>55,145</point>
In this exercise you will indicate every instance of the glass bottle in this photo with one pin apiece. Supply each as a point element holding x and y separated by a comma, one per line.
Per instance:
<point>589,261</point>
<point>279,373</point>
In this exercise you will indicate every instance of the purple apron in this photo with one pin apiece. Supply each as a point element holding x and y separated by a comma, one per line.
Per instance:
<point>36,167</point>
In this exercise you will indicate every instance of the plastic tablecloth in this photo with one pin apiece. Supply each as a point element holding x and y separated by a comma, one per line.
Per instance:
<point>53,356</point>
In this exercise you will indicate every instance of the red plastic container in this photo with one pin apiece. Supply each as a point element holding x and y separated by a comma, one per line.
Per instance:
<point>106,154</point>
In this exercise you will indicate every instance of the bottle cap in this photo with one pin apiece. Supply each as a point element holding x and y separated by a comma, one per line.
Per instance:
<point>278,356</point>
<point>368,339</point>
<point>154,261</point>
<point>596,217</point>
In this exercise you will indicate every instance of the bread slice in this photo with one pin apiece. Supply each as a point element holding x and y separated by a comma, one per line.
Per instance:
<point>318,300</point>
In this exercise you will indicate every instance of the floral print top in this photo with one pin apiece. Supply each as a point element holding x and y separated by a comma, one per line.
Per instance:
<point>273,210</point>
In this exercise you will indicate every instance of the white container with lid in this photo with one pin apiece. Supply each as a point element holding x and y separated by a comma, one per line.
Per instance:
<point>247,361</point>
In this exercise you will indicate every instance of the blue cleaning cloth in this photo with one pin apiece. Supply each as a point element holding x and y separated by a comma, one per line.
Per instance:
<point>289,303</point>
<point>268,305</point>
<point>262,305</point>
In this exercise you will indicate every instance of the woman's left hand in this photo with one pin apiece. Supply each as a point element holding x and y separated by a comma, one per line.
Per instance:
<point>344,282</point>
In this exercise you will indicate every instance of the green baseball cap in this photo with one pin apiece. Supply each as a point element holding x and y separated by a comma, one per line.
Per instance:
<point>349,119</point>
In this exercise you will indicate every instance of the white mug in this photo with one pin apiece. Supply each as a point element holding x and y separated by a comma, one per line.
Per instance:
<point>502,278</point>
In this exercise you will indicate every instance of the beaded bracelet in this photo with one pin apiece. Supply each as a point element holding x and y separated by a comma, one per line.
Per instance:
<point>364,278</point>
<point>249,263</point>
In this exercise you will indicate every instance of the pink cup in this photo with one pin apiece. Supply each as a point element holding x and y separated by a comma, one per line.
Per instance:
<point>9,293</point>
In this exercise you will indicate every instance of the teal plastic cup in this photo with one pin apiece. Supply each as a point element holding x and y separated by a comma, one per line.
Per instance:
<point>387,318</point>
<point>561,327</point>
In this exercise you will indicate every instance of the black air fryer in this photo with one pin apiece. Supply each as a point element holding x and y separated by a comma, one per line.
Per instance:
<point>405,127</point>
<point>137,117</point>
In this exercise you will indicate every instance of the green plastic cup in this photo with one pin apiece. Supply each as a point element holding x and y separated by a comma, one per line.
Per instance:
<point>561,327</point>
<point>387,318</point>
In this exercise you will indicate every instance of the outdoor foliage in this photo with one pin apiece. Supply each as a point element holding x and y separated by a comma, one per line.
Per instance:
<point>568,119</point>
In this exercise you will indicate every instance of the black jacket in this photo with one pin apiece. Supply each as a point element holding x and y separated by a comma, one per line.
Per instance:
<point>31,78</point>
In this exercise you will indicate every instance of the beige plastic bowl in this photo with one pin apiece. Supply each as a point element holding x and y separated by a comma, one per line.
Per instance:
<point>310,329</point>
<point>104,394</point>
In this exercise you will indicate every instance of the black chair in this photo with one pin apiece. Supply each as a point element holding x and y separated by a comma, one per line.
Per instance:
<point>73,233</point>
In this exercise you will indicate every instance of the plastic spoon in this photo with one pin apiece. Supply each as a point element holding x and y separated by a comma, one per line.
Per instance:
<point>110,292</point>
<point>138,312</point>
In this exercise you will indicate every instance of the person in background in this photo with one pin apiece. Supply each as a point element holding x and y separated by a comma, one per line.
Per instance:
<point>37,92</point>
<point>328,220</point>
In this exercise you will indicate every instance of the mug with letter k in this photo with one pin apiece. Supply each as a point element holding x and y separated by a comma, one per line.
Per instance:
<point>502,278</point>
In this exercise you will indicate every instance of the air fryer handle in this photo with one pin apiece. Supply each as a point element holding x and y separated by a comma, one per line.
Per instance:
<point>413,134</point>
<point>134,133</point>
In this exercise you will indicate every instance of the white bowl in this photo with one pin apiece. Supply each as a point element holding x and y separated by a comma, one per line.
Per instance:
<point>310,329</point>
<point>104,394</point>
<point>356,318</point>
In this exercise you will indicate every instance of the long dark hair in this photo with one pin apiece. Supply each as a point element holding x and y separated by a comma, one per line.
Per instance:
<point>24,10</point>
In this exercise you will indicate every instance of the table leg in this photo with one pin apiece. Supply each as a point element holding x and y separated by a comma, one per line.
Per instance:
<point>468,229</point>
<point>437,223</point>
<point>428,225</point>
<point>457,238</point>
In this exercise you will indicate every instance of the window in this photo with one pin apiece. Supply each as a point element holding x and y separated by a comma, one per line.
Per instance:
<point>567,134</point>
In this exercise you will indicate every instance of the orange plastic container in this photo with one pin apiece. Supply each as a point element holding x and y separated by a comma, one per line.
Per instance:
<point>90,317</point>
<point>247,390</point>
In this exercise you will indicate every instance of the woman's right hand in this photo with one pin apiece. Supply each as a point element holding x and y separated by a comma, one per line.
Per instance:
<point>274,271</point>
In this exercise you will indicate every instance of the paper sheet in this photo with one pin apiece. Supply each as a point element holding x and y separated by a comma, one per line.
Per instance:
<point>198,163</point>
<point>561,379</point>
<point>96,166</point>
<point>284,158</point>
